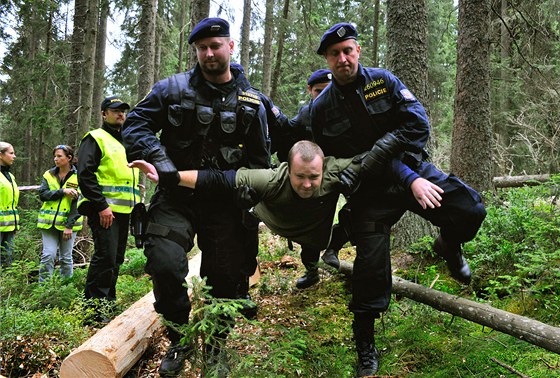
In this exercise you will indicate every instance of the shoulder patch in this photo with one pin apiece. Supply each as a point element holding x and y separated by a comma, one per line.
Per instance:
<point>407,95</point>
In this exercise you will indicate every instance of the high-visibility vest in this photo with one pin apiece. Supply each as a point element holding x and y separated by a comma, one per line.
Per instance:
<point>9,197</point>
<point>55,213</point>
<point>119,184</point>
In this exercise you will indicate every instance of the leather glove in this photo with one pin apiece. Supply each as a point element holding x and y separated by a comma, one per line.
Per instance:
<point>246,197</point>
<point>378,158</point>
<point>349,182</point>
<point>168,175</point>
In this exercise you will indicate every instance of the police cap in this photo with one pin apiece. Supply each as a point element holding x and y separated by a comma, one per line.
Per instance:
<point>209,27</point>
<point>114,102</point>
<point>319,76</point>
<point>338,33</point>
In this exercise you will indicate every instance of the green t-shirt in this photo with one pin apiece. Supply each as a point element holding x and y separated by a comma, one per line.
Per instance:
<point>305,221</point>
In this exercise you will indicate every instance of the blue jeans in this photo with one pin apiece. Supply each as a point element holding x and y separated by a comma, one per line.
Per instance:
<point>52,242</point>
<point>6,247</point>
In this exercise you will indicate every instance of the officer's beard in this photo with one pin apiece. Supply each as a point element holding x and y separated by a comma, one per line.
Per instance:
<point>216,69</point>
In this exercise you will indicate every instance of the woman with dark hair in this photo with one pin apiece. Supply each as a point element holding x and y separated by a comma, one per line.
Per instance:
<point>9,197</point>
<point>58,218</point>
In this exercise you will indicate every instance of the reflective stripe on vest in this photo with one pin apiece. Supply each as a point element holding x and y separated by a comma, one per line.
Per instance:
<point>9,198</point>
<point>55,213</point>
<point>119,183</point>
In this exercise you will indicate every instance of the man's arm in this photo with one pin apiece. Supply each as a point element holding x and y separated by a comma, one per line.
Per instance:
<point>89,156</point>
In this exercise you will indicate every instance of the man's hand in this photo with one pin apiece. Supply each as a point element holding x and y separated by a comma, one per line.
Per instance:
<point>106,218</point>
<point>426,193</point>
<point>71,193</point>
<point>167,172</point>
<point>147,168</point>
<point>349,182</point>
<point>246,197</point>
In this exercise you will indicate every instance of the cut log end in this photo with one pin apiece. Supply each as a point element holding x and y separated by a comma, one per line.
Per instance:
<point>88,363</point>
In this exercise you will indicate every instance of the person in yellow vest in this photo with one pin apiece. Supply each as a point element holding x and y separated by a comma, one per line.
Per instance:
<point>58,218</point>
<point>109,191</point>
<point>9,197</point>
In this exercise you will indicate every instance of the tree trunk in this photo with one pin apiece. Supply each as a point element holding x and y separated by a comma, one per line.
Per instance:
<point>281,38</point>
<point>182,26</point>
<point>75,74</point>
<point>200,9</point>
<point>90,38</point>
<point>518,181</point>
<point>100,48</point>
<point>114,349</point>
<point>159,33</point>
<point>146,46</point>
<point>518,326</point>
<point>408,58</point>
<point>471,145</point>
<point>267,46</point>
<point>245,33</point>
<point>375,47</point>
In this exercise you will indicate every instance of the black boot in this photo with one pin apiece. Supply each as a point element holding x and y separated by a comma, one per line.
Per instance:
<point>174,360</point>
<point>249,308</point>
<point>310,278</point>
<point>330,257</point>
<point>368,359</point>
<point>368,356</point>
<point>456,263</point>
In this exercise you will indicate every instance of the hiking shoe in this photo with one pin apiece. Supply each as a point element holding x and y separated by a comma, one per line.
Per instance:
<point>456,263</point>
<point>249,308</point>
<point>310,278</point>
<point>174,360</point>
<point>330,257</point>
<point>368,359</point>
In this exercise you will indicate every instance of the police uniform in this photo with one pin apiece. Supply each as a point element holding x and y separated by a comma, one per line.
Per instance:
<point>299,127</point>
<point>349,120</point>
<point>202,125</point>
<point>105,181</point>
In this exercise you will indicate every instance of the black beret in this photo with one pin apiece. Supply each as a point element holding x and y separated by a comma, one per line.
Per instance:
<point>319,76</point>
<point>338,33</point>
<point>114,102</point>
<point>209,27</point>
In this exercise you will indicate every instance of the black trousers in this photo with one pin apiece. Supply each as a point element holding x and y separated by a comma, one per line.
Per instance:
<point>221,237</point>
<point>377,207</point>
<point>108,256</point>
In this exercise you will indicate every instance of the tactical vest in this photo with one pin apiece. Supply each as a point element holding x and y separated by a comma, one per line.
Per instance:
<point>213,131</point>
<point>119,184</point>
<point>55,213</point>
<point>9,197</point>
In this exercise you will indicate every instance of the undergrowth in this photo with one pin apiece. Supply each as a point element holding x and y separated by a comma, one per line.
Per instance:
<point>515,260</point>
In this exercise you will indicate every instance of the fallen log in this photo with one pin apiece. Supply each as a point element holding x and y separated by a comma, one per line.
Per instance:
<point>518,181</point>
<point>115,348</point>
<point>521,327</point>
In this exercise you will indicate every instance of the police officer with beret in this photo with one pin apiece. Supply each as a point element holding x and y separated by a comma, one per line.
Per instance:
<point>370,111</point>
<point>209,118</point>
<point>109,191</point>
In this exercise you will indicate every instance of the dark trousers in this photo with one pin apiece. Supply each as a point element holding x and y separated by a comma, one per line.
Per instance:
<point>108,256</point>
<point>375,209</point>
<point>221,237</point>
<point>309,257</point>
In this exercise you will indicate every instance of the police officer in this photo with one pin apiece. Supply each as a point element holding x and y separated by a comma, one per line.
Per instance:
<point>109,191</point>
<point>299,127</point>
<point>209,117</point>
<point>370,110</point>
